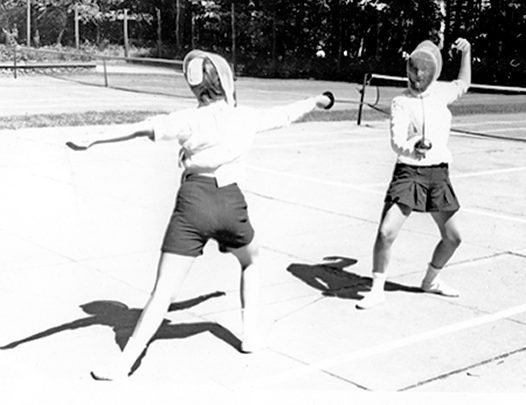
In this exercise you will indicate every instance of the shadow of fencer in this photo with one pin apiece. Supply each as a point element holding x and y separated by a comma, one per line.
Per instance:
<point>333,280</point>
<point>123,319</point>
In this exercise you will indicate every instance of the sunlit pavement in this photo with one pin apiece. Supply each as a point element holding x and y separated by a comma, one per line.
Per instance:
<point>80,235</point>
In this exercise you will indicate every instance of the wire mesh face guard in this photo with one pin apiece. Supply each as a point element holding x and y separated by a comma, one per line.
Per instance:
<point>421,71</point>
<point>424,66</point>
<point>193,72</point>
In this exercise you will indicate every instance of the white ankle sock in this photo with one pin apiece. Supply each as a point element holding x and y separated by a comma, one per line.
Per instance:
<point>379,280</point>
<point>431,274</point>
<point>377,295</point>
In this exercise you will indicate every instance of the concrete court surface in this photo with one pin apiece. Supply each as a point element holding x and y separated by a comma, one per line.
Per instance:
<point>38,94</point>
<point>80,233</point>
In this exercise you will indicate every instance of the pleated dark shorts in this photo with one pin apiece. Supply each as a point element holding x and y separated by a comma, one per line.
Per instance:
<point>204,211</point>
<point>422,188</point>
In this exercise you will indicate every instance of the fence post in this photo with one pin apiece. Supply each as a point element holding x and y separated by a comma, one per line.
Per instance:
<point>159,32</point>
<point>77,28</point>
<point>14,62</point>
<point>28,23</point>
<point>233,28</point>
<point>362,97</point>
<point>126,43</point>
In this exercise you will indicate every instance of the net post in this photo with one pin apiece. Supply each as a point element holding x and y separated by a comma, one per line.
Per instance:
<point>362,97</point>
<point>105,72</point>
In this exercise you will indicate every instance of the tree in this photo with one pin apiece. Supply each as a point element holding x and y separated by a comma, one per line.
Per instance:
<point>330,38</point>
<point>52,16</point>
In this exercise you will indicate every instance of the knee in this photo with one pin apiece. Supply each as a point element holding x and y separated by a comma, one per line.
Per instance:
<point>385,237</point>
<point>250,261</point>
<point>452,237</point>
<point>455,239</point>
<point>253,252</point>
<point>248,255</point>
<point>161,296</point>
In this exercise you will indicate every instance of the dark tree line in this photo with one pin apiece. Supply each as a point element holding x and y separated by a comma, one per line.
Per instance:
<point>338,39</point>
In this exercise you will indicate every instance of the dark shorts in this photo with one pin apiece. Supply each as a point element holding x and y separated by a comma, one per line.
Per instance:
<point>204,211</point>
<point>422,188</point>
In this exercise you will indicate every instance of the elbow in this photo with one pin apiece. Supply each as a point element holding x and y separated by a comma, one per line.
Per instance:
<point>397,149</point>
<point>466,80</point>
<point>401,149</point>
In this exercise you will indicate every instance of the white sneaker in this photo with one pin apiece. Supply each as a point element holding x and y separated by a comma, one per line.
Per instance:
<point>109,372</point>
<point>440,288</point>
<point>251,344</point>
<point>248,347</point>
<point>372,299</point>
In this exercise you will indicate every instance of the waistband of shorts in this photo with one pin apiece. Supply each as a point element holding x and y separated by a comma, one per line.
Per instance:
<point>205,177</point>
<point>442,165</point>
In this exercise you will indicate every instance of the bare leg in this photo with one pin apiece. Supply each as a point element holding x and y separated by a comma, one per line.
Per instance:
<point>171,273</point>
<point>249,293</point>
<point>451,238</point>
<point>446,247</point>
<point>393,217</point>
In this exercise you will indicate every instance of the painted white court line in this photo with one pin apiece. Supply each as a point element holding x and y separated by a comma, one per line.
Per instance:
<point>494,215</point>
<point>274,91</point>
<point>329,142</point>
<point>489,172</point>
<point>319,181</point>
<point>511,129</point>
<point>346,358</point>
<point>371,187</point>
<point>484,123</point>
<point>325,133</point>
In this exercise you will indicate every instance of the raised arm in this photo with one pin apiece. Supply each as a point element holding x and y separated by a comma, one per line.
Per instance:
<point>464,47</point>
<point>121,133</point>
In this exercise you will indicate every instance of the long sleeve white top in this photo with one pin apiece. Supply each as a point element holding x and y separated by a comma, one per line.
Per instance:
<point>215,138</point>
<point>413,115</point>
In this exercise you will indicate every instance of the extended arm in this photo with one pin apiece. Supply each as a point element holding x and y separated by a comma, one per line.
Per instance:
<point>278,117</point>
<point>123,133</point>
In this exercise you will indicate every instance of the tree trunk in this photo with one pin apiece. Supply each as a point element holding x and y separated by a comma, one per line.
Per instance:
<point>458,18</point>
<point>60,35</point>
<point>178,25</point>
<point>499,25</point>
<point>274,36</point>
<point>378,30</point>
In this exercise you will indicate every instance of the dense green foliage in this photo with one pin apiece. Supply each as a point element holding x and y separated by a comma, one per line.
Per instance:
<point>330,39</point>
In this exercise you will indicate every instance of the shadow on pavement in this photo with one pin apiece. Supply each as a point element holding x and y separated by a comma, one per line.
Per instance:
<point>122,320</point>
<point>333,280</point>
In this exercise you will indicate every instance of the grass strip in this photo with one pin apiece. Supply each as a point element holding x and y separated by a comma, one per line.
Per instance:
<point>75,119</point>
<point>127,117</point>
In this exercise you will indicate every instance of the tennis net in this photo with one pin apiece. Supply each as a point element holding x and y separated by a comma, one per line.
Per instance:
<point>502,106</point>
<point>144,75</point>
